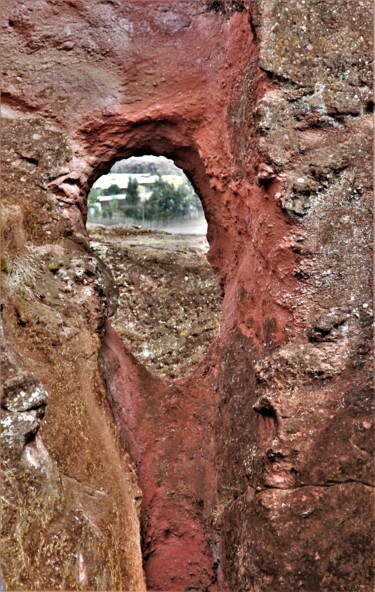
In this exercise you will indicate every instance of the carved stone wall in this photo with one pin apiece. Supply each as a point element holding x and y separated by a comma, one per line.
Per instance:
<point>255,470</point>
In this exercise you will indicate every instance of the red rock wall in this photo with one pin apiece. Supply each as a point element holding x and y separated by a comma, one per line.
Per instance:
<point>255,470</point>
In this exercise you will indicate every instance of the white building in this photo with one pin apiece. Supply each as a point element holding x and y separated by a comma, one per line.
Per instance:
<point>145,183</point>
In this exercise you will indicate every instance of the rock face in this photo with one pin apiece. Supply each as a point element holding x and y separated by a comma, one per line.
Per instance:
<point>255,469</point>
<point>70,517</point>
<point>169,302</point>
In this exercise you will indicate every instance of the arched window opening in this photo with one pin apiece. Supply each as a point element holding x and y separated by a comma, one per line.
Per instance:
<point>149,191</point>
<point>147,223</point>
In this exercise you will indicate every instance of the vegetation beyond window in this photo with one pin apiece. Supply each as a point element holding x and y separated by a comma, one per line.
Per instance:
<point>142,190</point>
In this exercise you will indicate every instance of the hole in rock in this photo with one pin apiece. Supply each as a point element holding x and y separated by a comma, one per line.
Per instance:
<point>147,223</point>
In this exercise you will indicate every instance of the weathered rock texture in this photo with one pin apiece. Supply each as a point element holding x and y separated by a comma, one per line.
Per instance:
<point>255,470</point>
<point>169,302</point>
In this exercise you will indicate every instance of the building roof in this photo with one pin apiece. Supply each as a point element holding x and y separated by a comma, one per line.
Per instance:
<point>101,198</point>
<point>122,180</point>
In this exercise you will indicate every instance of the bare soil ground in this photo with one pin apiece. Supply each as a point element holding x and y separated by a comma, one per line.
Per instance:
<point>169,299</point>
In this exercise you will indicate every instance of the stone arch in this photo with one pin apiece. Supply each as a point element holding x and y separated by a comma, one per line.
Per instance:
<point>101,145</point>
<point>171,532</point>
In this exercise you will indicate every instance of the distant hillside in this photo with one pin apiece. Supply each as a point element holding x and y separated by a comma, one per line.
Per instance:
<point>146,164</point>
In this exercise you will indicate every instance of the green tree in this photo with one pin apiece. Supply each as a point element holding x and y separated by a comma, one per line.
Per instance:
<point>93,203</point>
<point>132,192</point>
<point>112,190</point>
<point>168,202</point>
<point>93,196</point>
<point>132,207</point>
<point>112,208</point>
<point>192,198</point>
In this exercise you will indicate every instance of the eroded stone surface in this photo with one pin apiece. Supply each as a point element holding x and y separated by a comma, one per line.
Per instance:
<point>266,106</point>
<point>169,303</point>
<point>68,511</point>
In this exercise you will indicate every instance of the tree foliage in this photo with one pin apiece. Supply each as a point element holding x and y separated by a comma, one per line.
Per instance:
<point>168,202</point>
<point>132,207</point>
<point>112,190</point>
<point>132,193</point>
<point>165,203</point>
<point>93,196</point>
